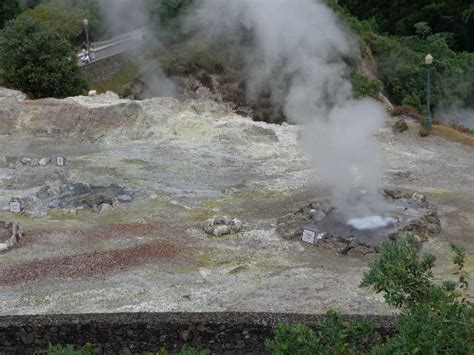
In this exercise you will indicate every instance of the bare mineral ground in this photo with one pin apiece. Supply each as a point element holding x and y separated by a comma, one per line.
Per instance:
<point>183,163</point>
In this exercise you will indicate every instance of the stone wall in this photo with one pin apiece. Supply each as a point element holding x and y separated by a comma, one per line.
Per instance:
<point>139,333</point>
<point>104,69</point>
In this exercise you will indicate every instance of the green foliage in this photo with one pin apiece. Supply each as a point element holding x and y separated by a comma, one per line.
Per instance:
<point>67,23</point>
<point>399,17</point>
<point>81,9</point>
<point>365,86</point>
<point>403,276</point>
<point>435,318</point>
<point>9,9</point>
<point>193,351</point>
<point>402,69</point>
<point>334,337</point>
<point>38,61</point>
<point>191,62</point>
<point>69,350</point>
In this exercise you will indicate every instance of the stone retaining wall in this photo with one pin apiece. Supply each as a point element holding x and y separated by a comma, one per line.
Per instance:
<point>130,333</point>
<point>104,69</point>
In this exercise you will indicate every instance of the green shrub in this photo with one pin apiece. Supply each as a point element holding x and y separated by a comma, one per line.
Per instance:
<point>423,132</point>
<point>69,350</point>
<point>364,86</point>
<point>406,110</point>
<point>435,317</point>
<point>190,62</point>
<point>334,337</point>
<point>38,61</point>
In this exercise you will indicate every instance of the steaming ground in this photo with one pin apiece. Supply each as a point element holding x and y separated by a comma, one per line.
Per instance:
<point>194,160</point>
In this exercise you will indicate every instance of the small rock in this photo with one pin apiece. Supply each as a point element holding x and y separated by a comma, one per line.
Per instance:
<point>25,161</point>
<point>111,95</point>
<point>433,228</point>
<point>44,161</point>
<point>222,220</point>
<point>394,194</point>
<point>3,247</point>
<point>124,198</point>
<point>92,93</point>
<point>105,207</point>
<point>418,197</point>
<point>400,126</point>
<point>221,230</point>
<point>44,192</point>
<point>184,335</point>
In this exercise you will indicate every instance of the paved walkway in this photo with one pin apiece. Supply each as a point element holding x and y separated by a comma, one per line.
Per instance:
<point>116,45</point>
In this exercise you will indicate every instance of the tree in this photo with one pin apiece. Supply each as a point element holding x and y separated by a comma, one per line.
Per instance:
<point>38,61</point>
<point>8,10</point>
<point>60,19</point>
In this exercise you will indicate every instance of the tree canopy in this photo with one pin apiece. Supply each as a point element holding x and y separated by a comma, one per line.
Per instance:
<point>38,61</point>
<point>9,9</point>
<point>67,23</point>
<point>399,17</point>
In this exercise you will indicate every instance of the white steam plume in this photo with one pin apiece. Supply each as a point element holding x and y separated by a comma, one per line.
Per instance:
<point>124,16</point>
<point>298,50</point>
<point>457,115</point>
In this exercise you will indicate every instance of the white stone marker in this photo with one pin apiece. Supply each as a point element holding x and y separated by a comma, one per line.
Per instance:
<point>309,236</point>
<point>60,161</point>
<point>15,206</point>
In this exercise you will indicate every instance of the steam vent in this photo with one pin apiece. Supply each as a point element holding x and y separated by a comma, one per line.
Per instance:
<point>322,225</point>
<point>236,177</point>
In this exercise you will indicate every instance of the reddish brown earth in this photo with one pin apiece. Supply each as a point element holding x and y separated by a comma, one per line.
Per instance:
<point>87,264</point>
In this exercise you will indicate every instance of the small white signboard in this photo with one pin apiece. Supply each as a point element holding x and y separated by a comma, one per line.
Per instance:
<point>308,236</point>
<point>15,206</point>
<point>60,161</point>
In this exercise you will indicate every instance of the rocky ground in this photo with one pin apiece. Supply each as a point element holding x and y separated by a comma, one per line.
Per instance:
<point>120,226</point>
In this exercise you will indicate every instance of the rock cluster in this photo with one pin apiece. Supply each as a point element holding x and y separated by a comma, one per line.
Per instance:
<point>320,221</point>
<point>219,226</point>
<point>16,162</point>
<point>70,197</point>
<point>291,225</point>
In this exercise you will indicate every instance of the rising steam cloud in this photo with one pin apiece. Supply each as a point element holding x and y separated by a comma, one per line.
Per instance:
<point>123,16</point>
<point>299,50</point>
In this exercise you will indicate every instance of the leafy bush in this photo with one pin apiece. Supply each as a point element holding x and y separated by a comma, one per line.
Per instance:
<point>89,350</point>
<point>334,337</point>
<point>365,86</point>
<point>435,317</point>
<point>406,110</point>
<point>191,62</point>
<point>68,350</point>
<point>38,61</point>
<point>423,132</point>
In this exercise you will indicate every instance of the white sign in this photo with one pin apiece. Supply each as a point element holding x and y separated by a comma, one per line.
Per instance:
<point>60,161</point>
<point>15,206</point>
<point>308,236</point>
